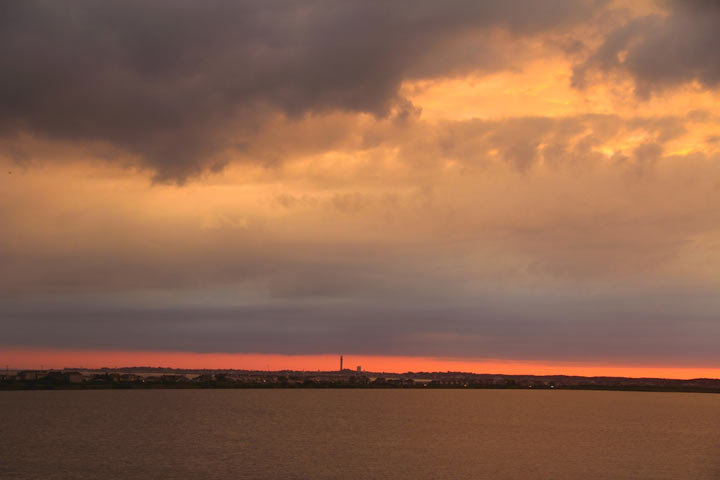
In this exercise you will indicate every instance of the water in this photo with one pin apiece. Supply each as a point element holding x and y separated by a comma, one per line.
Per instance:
<point>355,434</point>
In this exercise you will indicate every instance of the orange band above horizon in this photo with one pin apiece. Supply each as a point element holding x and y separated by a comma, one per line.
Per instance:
<point>32,358</point>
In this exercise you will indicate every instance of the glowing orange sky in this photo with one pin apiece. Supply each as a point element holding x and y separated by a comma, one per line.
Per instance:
<point>35,358</point>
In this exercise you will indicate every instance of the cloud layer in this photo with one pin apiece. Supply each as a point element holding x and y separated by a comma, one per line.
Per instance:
<point>179,84</point>
<point>663,50</point>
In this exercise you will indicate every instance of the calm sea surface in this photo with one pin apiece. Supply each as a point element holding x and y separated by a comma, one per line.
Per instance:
<point>338,434</point>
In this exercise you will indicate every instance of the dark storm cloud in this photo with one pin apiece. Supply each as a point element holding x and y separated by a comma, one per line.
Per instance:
<point>179,83</point>
<point>663,51</point>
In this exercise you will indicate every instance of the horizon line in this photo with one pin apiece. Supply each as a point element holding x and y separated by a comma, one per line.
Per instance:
<point>32,358</point>
<point>409,372</point>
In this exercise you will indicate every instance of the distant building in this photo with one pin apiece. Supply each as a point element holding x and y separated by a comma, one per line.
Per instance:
<point>30,375</point>
<point>359,368</point>
<point>341,363</point>
<point>74,377</point>
<point>7,376</point>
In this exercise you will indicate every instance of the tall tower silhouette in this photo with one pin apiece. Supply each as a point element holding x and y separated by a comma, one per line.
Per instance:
<point>341,360</point>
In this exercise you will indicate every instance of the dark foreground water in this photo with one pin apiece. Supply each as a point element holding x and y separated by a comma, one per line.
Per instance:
<point>337,434</point>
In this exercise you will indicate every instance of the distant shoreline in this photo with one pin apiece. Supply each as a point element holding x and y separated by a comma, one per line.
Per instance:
<point>149,378</point>
<point>341,387</point>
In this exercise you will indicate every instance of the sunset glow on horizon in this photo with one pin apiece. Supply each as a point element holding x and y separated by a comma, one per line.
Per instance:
<point>60,359</point>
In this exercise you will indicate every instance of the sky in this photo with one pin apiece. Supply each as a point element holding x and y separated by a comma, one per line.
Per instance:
<point>504,187</point>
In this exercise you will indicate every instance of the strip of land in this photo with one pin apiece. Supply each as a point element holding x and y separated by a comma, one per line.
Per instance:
<point>168,378</point>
